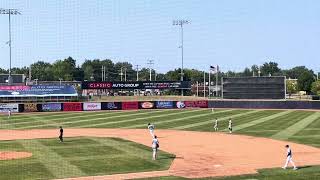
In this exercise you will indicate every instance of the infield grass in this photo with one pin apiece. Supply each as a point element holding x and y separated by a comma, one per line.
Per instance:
<point>80,156</point>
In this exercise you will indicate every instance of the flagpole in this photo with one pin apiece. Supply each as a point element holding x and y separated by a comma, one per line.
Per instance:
<point>217,71</point>
<point>209,87</point>
<point>204,83</point>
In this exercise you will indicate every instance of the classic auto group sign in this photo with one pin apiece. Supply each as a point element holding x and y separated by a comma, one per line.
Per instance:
<point>137,85</point>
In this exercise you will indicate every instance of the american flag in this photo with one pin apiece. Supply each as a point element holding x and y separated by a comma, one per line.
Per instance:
<point>214,69</point>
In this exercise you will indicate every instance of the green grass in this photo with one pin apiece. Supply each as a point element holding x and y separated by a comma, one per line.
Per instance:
<point>262,123</point>
<point>81,156</point>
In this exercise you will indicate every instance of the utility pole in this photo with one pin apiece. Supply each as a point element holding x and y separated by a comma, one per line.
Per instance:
<point>137,69</point>
<point>181,23</point>
<point>103,73</point>
<point>125,74</point>
<point>121,74</point>
<point>9,12</point>
<point>150,63</point>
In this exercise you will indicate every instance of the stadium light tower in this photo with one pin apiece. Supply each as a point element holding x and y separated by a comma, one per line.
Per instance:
<point>9,12</point>
<point>181,23</point>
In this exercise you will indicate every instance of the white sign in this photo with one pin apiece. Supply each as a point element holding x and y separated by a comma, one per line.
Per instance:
<point>91,106</point>
<point>5,107</point>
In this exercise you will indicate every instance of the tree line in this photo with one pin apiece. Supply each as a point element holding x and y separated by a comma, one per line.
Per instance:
<point>91,70</point>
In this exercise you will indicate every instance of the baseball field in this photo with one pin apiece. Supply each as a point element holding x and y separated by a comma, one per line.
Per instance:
<point>116,144</point>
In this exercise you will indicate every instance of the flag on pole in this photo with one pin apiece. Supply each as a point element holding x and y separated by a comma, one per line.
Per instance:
<point>214,69</point>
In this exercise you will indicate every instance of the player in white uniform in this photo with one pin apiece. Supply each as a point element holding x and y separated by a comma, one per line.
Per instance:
<point>230,126</point>
<point>289,159</point>
<point>216,125</point>
<point>9,113</point>
<point>151,129</point>
<point>155,146</point>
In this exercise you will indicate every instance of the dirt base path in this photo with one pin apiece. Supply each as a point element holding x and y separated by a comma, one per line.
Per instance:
<point>10,155</point>
<point>199,154</point>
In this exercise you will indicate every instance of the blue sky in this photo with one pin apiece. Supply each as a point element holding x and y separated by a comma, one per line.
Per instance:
<point>231,33</point>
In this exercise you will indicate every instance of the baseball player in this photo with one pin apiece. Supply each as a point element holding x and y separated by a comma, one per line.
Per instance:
<point>151,129</point>
<point>61,134</point>
<point>230,126</point>
<point>9,113</point>
<point>216,125</point>
<point>155,146</point>
<point>289,159</point>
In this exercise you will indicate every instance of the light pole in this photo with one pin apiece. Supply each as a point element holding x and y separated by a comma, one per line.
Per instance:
<point>9,12</point>
<point>150,63</point>
<point>60,79</point>
<point>181,23</point>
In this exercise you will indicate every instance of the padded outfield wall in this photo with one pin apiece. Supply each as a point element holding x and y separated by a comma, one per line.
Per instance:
<point>264,104</point>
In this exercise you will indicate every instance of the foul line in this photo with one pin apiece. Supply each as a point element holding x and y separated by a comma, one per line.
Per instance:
<point>295,128</point>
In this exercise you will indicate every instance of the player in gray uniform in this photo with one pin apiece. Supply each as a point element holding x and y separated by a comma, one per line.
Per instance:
<point>155,146</point>
<point>289,159</point>
<point>230,126</point>
<point>216,125</point>
<point>151,129</point>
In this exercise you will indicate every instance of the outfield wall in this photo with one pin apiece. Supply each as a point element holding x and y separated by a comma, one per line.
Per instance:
<point>97,106</point>
<point>255,104</point>
<point>135,105</point>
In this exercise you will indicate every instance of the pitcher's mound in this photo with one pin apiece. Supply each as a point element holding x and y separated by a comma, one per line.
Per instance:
<point>10,155</point>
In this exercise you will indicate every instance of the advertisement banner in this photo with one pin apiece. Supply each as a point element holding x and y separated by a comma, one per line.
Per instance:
<point>30,107</point>
<point>130,105</point>
<point>51,107</point>
<point>165,105</point>
<point>111,106</point>
<point>196,104</point>
<point>4,107</point>
<point>88,106</point>
<point>146,105</point>
<point>76,106</point>
<point>137,85</point>
<point>180,104</point>
<point>37,91</point>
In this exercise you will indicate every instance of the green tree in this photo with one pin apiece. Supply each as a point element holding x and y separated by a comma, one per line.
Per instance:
<point>270,68</point>
<point>295,72</point>
<point>305,80</point>
<point>315,87</point>
<point>247,72</point>
<point>291,87</point>
<point>41,71</point>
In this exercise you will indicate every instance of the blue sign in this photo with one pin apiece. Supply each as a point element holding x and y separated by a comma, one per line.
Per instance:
<point>164,104</point>
<point>51,107</point>
<point>37,91</point>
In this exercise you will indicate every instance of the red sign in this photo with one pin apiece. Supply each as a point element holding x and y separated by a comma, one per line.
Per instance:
<point>100,85</point>
<point>14,88</point>
<point>130,105</point>
<point>196,104</point>
<point>72,106</point>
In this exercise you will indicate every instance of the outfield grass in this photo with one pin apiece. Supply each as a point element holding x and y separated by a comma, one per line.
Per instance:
<point>296,126</point>
<point>82,156</point>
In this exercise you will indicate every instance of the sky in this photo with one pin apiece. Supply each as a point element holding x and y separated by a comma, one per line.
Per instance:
<point>233,34</point>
